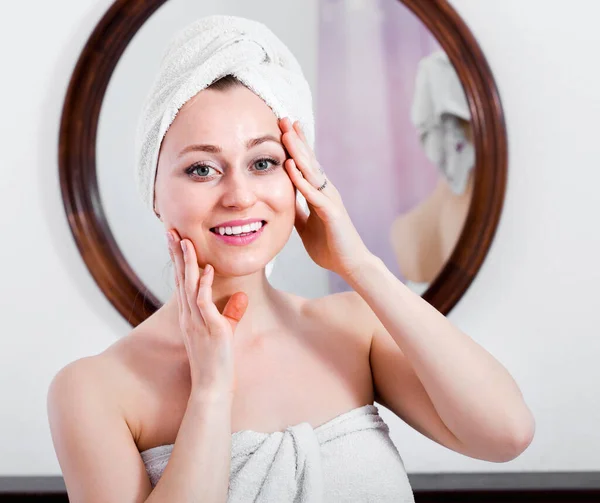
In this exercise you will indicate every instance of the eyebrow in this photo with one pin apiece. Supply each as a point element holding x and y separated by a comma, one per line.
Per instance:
<point>214,149</point>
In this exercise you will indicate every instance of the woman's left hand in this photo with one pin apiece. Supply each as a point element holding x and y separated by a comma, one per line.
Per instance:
<point>328,233</point>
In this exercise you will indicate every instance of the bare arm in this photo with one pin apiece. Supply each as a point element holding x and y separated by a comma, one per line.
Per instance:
<point>94,444</point>
<point>464,394</point>
<point>98,456</point>
<point>476,398</point>
<point>198,469</point>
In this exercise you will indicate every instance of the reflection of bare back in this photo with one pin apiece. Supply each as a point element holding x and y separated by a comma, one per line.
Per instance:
<point>424,238</point>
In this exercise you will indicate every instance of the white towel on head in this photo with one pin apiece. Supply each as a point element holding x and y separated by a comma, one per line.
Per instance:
<point>204,51</point>
<point>438,104</point>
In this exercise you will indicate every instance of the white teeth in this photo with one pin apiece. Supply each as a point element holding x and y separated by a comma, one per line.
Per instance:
<point>239,229</point>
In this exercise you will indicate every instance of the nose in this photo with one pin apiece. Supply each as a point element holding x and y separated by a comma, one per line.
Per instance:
<point>239,191</point>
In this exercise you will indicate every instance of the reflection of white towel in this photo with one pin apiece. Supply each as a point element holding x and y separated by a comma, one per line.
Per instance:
<point>351,458</point>
<point>439,102</point>
<point>204,51</point>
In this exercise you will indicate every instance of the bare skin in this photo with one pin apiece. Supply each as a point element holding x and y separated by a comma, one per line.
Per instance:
<point>295,360</point>
<point>288,363</point>
<point>293,373</point>
<point>285,360</point>
<point>424,237</point>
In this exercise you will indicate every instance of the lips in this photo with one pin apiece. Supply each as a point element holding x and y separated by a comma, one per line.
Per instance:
<point>238,227</point>
<point>241,238</point>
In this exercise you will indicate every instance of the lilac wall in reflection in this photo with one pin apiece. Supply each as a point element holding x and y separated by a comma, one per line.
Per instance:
<point>368,56</point>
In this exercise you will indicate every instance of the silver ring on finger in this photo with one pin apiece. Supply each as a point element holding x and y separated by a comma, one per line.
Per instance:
<point>323,186</point>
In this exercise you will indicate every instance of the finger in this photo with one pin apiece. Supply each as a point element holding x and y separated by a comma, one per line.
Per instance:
<point>313,196</point>
<point>176,278</point>
<point>300,132</point>
<point>285,124</point>
<point>191,277</point>
<point>170,240</point>
<point>301,218</point>
<point>177,256</point>
<point>303,161</point>
<point>235,309</point>
<point>204,301</point>
<point>298,129</point>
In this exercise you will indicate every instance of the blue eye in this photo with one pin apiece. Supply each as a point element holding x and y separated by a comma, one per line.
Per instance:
<point>263,165</point>
<point>199,170</point>
<point>204,172</point>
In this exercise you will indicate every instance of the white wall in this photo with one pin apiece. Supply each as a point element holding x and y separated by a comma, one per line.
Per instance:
<point>533,305</point>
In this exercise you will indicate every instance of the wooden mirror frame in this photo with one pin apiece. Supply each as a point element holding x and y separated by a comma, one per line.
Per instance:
<point>77,155</point>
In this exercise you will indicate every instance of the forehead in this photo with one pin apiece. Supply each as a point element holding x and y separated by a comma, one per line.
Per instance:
<point>217,113</point>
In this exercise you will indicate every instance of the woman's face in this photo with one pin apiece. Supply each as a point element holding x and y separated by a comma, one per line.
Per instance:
<point>221,167</point>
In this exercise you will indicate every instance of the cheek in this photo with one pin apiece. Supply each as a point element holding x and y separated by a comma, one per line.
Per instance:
<point>184,205</point>
<point>281,193</point>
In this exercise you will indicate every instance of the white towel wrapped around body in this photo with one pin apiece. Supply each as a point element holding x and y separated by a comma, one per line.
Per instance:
<point>348,459</point>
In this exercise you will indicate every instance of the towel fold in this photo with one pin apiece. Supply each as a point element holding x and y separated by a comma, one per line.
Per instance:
<point>348,459</point>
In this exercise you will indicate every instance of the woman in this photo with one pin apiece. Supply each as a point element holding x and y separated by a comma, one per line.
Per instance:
<point>424,237</point>
<point>236,391</point>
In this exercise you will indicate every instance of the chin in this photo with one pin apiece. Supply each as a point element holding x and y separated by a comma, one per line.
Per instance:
<point>243,261</point>
<point>237,268</point>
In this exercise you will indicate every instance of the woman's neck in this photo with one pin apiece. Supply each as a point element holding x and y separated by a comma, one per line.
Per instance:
<point>266,305</point>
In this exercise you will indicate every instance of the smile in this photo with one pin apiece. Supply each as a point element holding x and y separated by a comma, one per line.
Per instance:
<point>239,234</point>
<point>238,230</point>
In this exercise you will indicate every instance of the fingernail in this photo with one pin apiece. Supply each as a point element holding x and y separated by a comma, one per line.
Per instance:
<point>183,246</point>
<point>169,238</point>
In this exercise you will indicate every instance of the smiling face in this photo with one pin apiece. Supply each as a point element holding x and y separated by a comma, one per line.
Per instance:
<point>220,167</point>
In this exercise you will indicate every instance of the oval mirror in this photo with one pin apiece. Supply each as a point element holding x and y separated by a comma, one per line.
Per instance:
<point>409,128</point>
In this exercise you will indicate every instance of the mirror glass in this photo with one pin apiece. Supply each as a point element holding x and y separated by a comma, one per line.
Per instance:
<point>392,133</point>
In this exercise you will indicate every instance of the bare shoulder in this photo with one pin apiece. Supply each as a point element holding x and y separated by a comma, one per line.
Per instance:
<point>80,376</point>
<point>116,377</point>
<point>344,311</point>
<point>90,374</point>
<point>91,434</point>
<point>102,378</point>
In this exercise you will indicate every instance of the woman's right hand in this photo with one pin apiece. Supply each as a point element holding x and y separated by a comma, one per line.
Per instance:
<point>207,334</point>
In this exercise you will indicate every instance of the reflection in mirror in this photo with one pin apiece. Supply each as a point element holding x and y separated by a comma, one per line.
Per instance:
<point>391,131</point>
<point>425,236</point>
<point>390,119</point>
